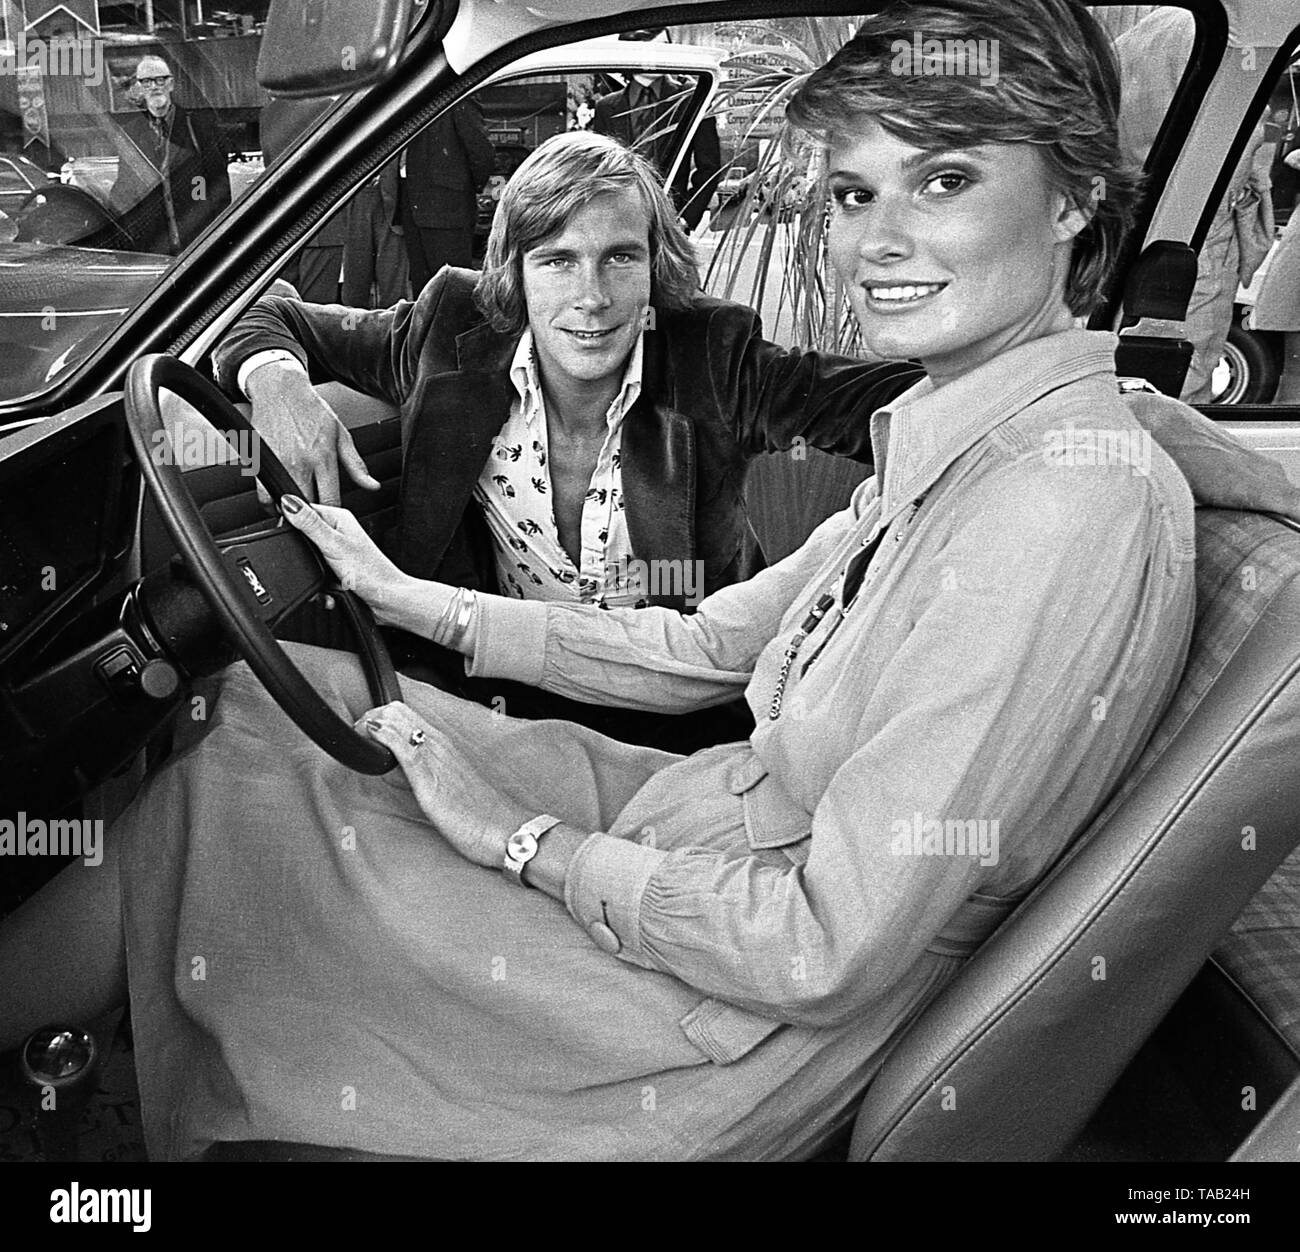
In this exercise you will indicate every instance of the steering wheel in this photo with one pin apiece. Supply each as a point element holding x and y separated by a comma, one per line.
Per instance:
<point>252,581</point>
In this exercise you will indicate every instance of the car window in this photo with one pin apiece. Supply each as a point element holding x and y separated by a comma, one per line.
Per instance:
<point>1228,364</point>
<point>138,135</point>
<point>18,179</point>
<point>1259,362</point>
<point>435,202</point>
<point>125,132</point>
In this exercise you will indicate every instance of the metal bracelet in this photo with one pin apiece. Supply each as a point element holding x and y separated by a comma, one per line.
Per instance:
<point>443,627</point>
<point>467,603</point>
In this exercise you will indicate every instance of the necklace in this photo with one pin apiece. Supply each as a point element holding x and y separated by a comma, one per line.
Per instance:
<point>850,582</point>
<point>809,623</point>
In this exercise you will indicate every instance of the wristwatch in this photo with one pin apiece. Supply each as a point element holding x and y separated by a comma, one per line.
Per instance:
<point>522,846</point>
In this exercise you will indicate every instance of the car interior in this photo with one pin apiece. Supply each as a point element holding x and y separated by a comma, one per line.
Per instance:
<point>1141,1005</point>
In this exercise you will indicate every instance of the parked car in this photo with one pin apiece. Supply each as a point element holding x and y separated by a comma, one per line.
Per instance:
<point>57,302</point>
<point>1252,358</point>
<point>1048,1062</point>
<point>1251,363</point>
<point>19,178</point>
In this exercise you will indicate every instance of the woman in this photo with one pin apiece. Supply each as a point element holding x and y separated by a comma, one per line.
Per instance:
<point>716,948</point>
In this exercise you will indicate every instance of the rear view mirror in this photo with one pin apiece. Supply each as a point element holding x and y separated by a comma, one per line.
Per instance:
<point>329,47</point>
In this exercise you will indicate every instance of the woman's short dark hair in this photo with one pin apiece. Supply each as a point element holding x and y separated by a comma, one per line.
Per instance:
<point>557,179</point>
<point>928,76</point>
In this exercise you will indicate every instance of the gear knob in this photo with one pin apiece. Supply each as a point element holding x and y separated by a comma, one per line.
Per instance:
<point>58,1066</point>
<point>58,1057</point>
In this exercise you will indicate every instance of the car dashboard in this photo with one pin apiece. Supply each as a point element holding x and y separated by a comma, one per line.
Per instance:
<point>81,687</point>
<point>63,520</point>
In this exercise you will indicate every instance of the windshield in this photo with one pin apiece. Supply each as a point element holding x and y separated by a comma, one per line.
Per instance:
<point>125,131</point>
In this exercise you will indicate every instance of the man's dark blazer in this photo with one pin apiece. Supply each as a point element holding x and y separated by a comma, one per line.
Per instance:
<point>197,149</point>
<point>650,129</point>
<point>714,395</point>
<point>446,164</point>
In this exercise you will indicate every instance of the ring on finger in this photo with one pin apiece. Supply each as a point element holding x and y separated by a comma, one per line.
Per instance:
<point>417,738</point>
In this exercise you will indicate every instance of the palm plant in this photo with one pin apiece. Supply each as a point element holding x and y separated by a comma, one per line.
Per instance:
<point>769,243</point>
<point>768,248</point>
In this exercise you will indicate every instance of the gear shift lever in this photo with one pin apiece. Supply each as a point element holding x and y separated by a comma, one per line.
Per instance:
<point>58,1067</point>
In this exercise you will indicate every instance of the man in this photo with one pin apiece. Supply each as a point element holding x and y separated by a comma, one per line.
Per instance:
<point>585,442</point>
<point>362,244</point>
<point>375,255</point>
<point>171,178</point>
<point>315,268</point>
<point>644,115</point>
<point>447,164</point>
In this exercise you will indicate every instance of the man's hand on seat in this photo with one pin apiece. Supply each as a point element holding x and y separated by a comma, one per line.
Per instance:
<point>304,432</point>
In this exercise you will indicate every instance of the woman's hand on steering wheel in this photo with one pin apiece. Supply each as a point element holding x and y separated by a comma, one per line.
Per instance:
<point>357,561</point>
<point>247,604</point>
<point>471,814</point>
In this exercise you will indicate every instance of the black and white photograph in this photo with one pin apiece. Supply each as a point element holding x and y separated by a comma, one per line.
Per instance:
<point>649,582</point>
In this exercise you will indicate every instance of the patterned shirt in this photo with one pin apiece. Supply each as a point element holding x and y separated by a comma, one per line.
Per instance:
<point>514,491</point>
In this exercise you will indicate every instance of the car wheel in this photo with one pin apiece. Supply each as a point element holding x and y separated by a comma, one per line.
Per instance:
<point>1247,372</point>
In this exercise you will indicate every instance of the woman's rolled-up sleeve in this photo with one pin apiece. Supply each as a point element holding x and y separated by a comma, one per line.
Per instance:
<point>984,721</point>
<point>653,658</point>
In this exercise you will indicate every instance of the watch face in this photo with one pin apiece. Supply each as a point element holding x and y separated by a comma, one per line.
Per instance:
<point>521,846</point>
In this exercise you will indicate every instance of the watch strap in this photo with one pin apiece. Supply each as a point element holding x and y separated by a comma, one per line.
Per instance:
<point>513,865</point>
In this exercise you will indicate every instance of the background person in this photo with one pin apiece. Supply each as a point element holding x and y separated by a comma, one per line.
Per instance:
<point>375,266</point>
<point>644,115</point>
<point>1278,305</point>
<point>446,166</point>
<point>172,180</point>
<point>315,269</point>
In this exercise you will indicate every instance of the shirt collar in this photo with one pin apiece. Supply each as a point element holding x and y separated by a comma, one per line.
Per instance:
<point>917,436</point>
<point>523,374</point>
